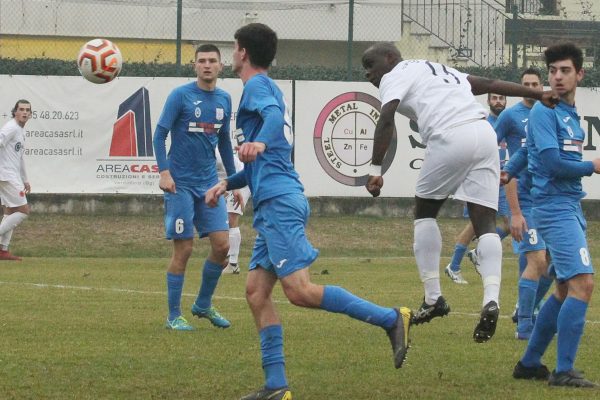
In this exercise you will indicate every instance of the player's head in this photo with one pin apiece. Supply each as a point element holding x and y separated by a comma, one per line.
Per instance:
<point>532,78</point>
<point>565,67</point>
<point>207,63</point>
<point>378,60</point>
<point>496,102</point>
<point>255,43</point>
<point>21,111</point>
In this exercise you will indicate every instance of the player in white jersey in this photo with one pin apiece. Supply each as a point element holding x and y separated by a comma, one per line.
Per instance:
<point>461,159</point>
<point>236,202</point>
<point>14,185</point>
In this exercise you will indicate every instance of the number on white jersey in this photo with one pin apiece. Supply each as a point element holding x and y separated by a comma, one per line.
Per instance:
<point>443,71</point>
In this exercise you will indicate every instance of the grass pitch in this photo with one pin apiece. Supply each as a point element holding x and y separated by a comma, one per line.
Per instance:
<point>82,317</point>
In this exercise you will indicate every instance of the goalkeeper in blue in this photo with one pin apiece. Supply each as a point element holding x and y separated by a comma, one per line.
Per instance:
<point>282,251</point>
<point>197,114</point>
<point>555,142</point>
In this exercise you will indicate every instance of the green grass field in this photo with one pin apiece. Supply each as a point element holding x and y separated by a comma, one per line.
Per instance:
<point>82,317</point>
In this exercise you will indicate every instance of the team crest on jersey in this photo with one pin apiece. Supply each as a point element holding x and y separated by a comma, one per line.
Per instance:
<point>220,114</point>
<point>343,138</point>
<point>18,146</point>
<point>197,112</point>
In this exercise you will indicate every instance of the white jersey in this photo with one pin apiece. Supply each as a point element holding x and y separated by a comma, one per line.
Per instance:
<point>12,148</point>
<point>433,95</point>
<point>221,168</point>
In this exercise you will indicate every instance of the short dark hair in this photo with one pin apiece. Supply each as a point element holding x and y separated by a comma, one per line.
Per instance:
<point>16,107</point>
<point>490,95</point>
<point>207,48</point>
<point>260,43</point>
<point>532,71</point>
<point>564,51</point>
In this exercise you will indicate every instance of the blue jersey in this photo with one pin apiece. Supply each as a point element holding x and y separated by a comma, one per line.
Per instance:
<point>501,144</point>
<point>556,128</point>
<point>263,117</point>
<point>198,120</point>
<point>511,126</point>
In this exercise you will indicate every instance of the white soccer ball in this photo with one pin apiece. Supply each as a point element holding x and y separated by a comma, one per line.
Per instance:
<point>99,61</point>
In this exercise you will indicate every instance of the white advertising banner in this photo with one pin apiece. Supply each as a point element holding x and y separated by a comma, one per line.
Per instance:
<point>88,138</point>
<point>337,121</point>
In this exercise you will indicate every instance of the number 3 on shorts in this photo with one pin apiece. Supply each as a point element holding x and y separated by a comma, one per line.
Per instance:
<point>533,239</point>
<point>179,225</point>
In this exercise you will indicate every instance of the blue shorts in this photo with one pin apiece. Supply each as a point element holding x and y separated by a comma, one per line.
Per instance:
<point>281,246</point>
<point>564,230</point>
<point>503,209</point>
<point>532,239</point>
<point>186,210</point>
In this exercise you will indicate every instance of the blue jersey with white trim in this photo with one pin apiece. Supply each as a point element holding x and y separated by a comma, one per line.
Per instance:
<point>195,118</point>
<point>272,173</point>
<point>556,128</point>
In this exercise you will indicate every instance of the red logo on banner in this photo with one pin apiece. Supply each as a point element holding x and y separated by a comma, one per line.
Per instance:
<point>132,132</point>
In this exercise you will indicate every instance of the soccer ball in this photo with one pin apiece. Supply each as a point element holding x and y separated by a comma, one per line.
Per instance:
<point>99,61</point>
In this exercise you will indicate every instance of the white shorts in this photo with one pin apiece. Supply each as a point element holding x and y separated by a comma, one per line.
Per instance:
<point>462,161</point>
<point>12,194</point>
<point>230,200</point>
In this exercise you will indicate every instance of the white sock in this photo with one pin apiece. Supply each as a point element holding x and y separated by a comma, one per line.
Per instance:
<point>489,254</point>
<point>428,247</point>
<point>5,239</point>
<point>10,222</point>
<point>235,240</point>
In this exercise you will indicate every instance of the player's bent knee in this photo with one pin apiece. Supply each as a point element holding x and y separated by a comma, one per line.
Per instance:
<point>302,296</point>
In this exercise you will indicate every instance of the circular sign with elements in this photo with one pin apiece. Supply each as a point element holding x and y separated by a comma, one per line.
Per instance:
<point>343,138</point>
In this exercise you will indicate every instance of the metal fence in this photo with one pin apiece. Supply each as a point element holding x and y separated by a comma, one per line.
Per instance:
<point>312,33</point>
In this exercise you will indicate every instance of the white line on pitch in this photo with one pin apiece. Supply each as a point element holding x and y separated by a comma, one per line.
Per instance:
<point>118,290</point>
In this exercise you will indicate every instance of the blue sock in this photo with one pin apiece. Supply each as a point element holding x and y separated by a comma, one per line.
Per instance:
<point>543,332</point>
<point>210,277</point>
<point>459,253</point>
<point>527,291</point>
<point>339,300</point>
<point>273,361</point>
<point>543,286</point>
<point>501,232</point>
<point>174,288</point>
<point>571,320</point>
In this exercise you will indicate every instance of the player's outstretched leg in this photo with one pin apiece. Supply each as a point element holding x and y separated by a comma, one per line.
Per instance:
<point>396,322</point>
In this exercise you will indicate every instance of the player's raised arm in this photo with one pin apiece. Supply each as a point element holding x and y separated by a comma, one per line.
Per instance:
<point>481,85</point>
